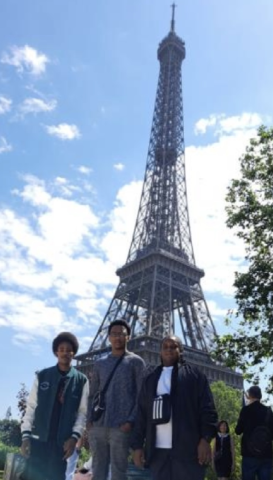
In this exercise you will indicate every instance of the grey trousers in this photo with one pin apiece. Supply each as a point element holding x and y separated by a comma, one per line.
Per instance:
<point>164,467</point>
<point>110,448</point>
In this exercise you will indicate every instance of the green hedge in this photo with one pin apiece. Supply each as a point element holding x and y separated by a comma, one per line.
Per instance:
<point>4,449</point>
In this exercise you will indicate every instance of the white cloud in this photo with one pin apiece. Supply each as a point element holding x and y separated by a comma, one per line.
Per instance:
<point>215,311</point>
<point>209,171</point>
<point>220,123</point>
<point>122,219</point>
<point>241,122</point>
<point>64,131</point>
<point>26,59</point>
<point>4,146</point>
<point>60,181</point>
<point>51,264</point>
<point>119,166</point>
<point>34,191</point>
<point>37,105</point>
<point>204,123</point>
<point>84,170</point>
<point>5,105</point>
<point>43,320</point>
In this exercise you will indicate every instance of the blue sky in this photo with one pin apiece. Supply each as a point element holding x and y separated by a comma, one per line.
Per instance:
<point>77,90</point>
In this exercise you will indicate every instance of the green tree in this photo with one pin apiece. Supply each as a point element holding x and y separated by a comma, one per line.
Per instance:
<point>228,402</point>
<point>250,214</point>
<point>22,397</point>
<point>10,432</point>
<point>4,449</point>
<point>8,413</point>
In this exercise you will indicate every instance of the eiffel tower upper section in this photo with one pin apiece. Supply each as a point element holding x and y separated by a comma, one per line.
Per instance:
<point>159,290</point>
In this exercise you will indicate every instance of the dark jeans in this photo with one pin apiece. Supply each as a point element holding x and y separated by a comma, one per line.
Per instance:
<point>164,467</point>
<point>260,468</point>
<point>45,462</point>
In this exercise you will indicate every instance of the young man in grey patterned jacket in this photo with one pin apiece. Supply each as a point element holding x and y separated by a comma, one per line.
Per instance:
<point>109,437</point>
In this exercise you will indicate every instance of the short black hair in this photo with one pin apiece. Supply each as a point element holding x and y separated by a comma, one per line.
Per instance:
<point>179,343</point>
<point>65,337</point>
<point>175,338</point>
<point>255,392</point>
<point>122,323</point>
<point>221,423</point>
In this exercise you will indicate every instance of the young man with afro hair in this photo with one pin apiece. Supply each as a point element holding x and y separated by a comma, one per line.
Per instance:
<point>55,417</point>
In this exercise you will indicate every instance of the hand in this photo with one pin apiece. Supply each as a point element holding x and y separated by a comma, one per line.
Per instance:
<point>204,452</point>
<point>69,447</point>
<point>26,448</point>
<point>138,457</point>
<point>126,427</point>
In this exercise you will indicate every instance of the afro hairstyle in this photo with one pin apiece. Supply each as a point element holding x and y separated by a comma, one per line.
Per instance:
<point>65,337</point>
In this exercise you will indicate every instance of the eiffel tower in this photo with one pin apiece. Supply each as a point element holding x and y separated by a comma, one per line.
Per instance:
<point>159,290</point>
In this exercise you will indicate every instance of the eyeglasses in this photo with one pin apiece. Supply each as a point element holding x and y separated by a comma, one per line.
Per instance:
<point>169,347</point>
<point>118,334</point>
<point>63,350</point>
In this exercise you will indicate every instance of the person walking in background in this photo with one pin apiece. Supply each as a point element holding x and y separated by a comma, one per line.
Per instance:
<point>176,418</point>
<point>109,436</point>
<point>55,416</point>
<point>223,459</point>
<point>256,424</point>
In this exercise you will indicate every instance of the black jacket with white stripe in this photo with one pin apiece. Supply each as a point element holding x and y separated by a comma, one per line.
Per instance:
<point>193,413</point>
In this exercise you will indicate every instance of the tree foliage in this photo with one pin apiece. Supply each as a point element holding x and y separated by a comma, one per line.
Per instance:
<point>8,413</point>
<point>4,449</point>
<point>22,397</point>
<point>250,214</point>
<point>10,433</point>
<point>228,402</point>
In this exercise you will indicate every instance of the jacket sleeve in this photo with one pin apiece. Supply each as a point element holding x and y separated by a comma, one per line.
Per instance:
<point>139,430</point>
<point>139,369</point>
<point>94,387</point>
<point>80,423</point>
<point>240,424</point>
<point>208,415</point>
<point>27,423</point>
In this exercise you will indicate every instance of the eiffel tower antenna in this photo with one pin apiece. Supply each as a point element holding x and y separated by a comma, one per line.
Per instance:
<point>173,6</point>
<point>159,290</point>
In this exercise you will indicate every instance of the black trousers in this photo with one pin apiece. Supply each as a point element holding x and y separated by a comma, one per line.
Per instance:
<point>164,467</point>
<point>45,462</point>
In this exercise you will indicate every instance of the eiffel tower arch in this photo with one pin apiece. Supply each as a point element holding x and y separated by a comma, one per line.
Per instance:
<point>159,291</point>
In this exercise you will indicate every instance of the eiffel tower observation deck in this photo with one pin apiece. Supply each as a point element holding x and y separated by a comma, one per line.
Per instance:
<point>159,291</point>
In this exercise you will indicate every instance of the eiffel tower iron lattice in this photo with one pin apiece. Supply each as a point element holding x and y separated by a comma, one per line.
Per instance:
<point>159,290</point>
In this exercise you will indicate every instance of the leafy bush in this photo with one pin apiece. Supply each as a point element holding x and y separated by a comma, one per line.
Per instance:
<point>4,449</point>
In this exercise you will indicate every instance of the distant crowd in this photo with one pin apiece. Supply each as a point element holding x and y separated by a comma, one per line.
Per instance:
<point>166,419</point>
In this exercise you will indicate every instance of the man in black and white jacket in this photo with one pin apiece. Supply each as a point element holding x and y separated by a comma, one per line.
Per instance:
<point>55,416</point>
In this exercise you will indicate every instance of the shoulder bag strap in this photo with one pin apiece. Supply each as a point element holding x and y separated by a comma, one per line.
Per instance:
<point>103,391</point>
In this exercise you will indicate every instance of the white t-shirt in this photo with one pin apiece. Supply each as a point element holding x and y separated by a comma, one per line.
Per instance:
<point>164,432</point>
